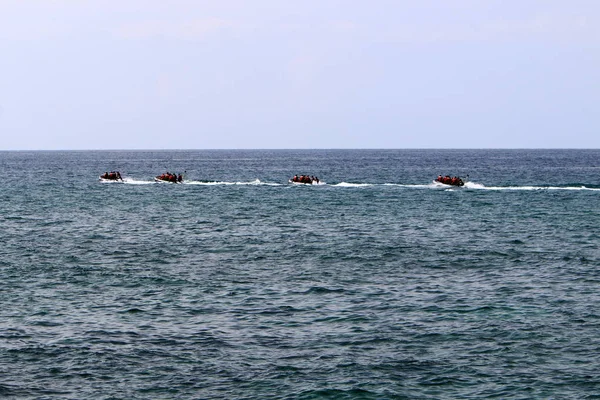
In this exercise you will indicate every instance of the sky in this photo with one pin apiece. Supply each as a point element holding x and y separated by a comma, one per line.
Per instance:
<point>278,74</point>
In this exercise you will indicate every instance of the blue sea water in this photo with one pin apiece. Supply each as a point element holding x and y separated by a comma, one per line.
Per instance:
<point>376,284</point>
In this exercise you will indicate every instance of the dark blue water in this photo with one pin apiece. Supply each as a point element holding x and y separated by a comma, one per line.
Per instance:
<point>378,284</point>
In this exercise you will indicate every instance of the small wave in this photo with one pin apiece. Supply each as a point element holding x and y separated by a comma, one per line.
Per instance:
<point>338,393</point>
<point>132,311</point>
<point>323,290</point>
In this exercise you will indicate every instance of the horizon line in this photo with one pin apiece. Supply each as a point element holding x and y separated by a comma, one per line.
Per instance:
<point>312,149</point>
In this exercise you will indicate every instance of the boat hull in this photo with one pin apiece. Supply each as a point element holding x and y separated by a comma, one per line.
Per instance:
<point>164,181</point>
<point>109,180</point>
<point>459,183</point>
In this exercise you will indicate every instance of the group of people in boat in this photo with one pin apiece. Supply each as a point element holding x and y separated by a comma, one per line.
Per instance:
<point>112,176</point>
<point>305,179</point>
<point>169,177</point>
<point>447,180</point>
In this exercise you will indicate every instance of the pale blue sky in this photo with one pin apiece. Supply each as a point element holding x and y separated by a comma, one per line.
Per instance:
<point>193,74</point>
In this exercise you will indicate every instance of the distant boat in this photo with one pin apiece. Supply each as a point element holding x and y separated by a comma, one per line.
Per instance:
<point>114,176</point>
<point>168,178</point>
<point>446,180</point>
<point>304,180</point>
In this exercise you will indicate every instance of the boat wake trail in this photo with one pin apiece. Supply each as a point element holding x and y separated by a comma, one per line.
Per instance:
<point>256,182</point>
<point>532,188</point>
<point>472,186</point>
<point>346,184</point>
<point>131,181</point>
<point>433,185</point>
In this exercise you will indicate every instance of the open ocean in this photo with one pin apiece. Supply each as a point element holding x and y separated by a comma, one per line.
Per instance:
<point>377,284</point>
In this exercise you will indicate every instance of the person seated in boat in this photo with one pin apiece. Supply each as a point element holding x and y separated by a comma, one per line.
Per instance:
<point>179,178</point>
<point>439,178</point>
<point>119,175</point>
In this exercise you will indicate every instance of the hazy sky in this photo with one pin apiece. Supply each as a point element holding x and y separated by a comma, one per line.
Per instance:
<point>193,74</point>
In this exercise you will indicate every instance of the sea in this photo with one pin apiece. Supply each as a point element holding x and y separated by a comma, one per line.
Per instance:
<point>377,283</point>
